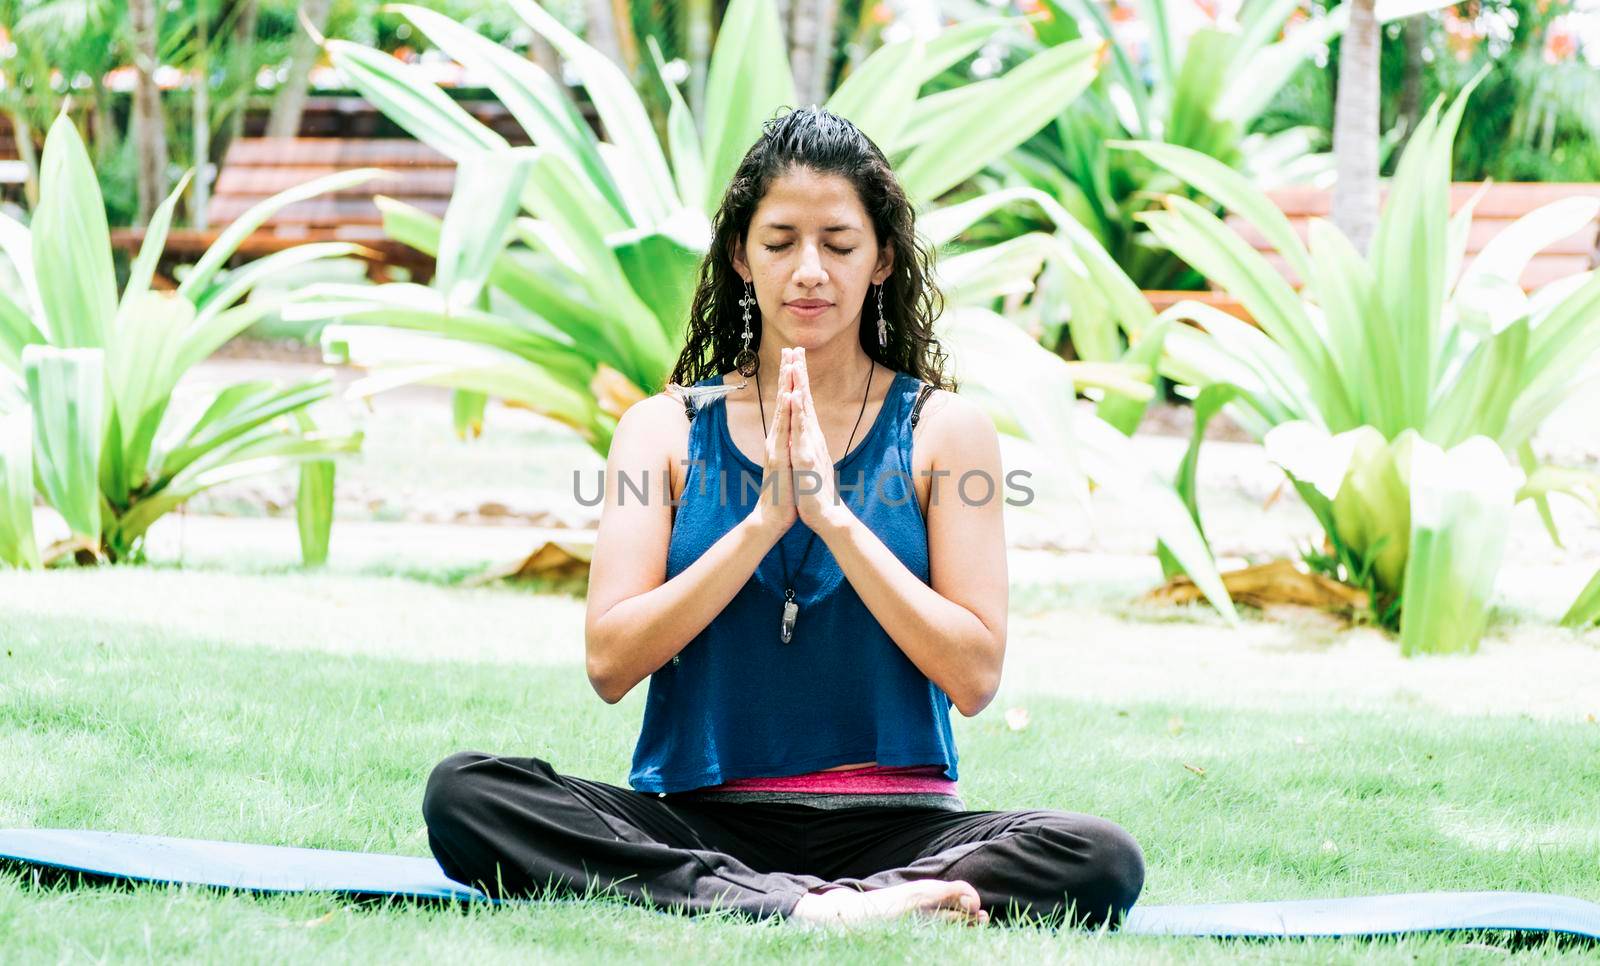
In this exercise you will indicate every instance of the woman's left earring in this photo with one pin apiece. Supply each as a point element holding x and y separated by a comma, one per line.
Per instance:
<point>883,324</point>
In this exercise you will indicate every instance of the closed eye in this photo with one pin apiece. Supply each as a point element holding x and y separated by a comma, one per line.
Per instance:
<point>779,248</point>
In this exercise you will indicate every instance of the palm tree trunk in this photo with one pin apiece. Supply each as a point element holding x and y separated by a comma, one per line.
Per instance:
<point>1414,34</point>
<point>149,125</point>
<point>290,101</point>
<point>241,59</point>
<point>627,42</point>
<point>200,109</point>
<point>1355,128</point>
<point>608,30</point>
<point>22,131</point>
<point>812,26</point>
<point>697,38</point>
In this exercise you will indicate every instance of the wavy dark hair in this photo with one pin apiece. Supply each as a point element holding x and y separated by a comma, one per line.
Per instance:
<point>824,142</point>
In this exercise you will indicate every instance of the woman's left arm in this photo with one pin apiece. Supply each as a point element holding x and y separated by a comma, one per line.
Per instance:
<point>953,628</point>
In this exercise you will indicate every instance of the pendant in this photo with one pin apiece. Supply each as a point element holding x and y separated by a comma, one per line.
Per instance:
<point>791,610</point>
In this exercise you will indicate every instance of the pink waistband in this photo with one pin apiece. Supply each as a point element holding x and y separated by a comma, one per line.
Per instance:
<point>868,780</point>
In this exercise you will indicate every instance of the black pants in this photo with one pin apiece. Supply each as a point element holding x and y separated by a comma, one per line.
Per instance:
<point>515,827</point>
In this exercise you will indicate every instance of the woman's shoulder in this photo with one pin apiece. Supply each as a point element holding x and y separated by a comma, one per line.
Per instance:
<point>651,429</point>
<point>945,412</point>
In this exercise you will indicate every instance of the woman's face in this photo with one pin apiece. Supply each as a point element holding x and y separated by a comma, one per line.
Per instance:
<point>811,241</point>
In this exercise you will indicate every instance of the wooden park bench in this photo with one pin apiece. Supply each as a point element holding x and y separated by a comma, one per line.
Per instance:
<point>1502,204</point>
<point>257,168</point>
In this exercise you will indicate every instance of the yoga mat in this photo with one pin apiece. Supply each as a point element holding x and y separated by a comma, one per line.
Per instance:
<point>271,868</point>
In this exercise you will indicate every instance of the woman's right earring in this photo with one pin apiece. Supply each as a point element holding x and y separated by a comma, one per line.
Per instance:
<point>746,360</point>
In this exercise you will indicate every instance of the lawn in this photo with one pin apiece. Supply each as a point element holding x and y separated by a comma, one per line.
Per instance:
<point>260,704</point>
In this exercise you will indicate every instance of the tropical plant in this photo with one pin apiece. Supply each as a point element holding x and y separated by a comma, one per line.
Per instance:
<point>1203,90</point>
<point>581,314</point>
<point>95,415</point>
<point>598,289</point>
<point>1399,393</point>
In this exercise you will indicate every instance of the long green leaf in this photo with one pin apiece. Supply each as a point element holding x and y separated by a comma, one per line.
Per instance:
<point>748,80</point>
<point>1125,72</point>
<point>16,242</point>
<point>1365,353</point>
<point>235,411</point>
<point>683,139</point>
<point>1479,401</point>
<point>18,548</point>
<point>1202,240</point>
<point>199,277</point>
<point>627,125</point>
<point>142,372</point>
<point>71,243</point>
<point>408,98</point>
<point>67,390</point>
<point>539,103</point>
<point>1585,610</point>
<point>545,293</point>
<point>150,250</point>
<point>16,330</point>
<point>486,198</point>
<point>313,502</point>
<point>1026,99</point>
<point>1126,413</point>
<point>270,452</point>
<point>1460,515</point>
<point>877,96</point>
<point>1233,191</point>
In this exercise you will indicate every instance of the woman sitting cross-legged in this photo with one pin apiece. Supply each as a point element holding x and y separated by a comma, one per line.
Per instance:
<point>827,579</point>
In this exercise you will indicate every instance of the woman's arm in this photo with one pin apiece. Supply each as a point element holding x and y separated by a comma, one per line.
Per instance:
<point>954,628</point>
<point>637,619</point>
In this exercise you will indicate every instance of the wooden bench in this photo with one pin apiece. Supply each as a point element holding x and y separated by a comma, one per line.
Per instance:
<point>13,170</point>
<point>257,168</point>
<point>1502,204</point>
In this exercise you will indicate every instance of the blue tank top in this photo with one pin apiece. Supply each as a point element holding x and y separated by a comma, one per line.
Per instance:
<point>737,702</point>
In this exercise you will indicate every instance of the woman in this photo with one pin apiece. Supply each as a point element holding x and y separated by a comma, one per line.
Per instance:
<point>805,632</point>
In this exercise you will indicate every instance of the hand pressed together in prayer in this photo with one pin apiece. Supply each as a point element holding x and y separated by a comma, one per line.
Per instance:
<point>815,493</point>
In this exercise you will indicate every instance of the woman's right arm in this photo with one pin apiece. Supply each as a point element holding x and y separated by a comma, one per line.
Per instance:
<point>637,619</point>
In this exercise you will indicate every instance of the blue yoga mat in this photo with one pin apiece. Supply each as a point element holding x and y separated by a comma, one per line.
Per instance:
<point>271,868</point>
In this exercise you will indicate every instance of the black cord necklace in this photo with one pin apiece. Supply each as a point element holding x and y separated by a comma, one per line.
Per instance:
<point>791,610</point>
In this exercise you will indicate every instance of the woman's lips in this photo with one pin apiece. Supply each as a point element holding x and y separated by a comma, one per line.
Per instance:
<point>808,311</point>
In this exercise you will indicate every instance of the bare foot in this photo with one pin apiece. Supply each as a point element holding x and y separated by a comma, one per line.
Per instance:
<point>934,899</point>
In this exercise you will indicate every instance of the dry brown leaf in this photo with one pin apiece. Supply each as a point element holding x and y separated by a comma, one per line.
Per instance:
<point>613,392</point>
<point>561,554</point>
<point>1263,585</point>
<point>1196,769</point>
<point>321,920</point>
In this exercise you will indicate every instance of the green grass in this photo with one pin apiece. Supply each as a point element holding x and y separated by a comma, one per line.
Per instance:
<point>173,729</point>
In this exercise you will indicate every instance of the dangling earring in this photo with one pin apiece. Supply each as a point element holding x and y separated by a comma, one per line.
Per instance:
<point>883,324</point>
<point>746,360</point>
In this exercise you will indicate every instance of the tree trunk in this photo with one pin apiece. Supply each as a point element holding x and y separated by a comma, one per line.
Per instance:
<point>697,46</point>
<point>290,101</point>
<point>102,125</point>
<point>800,29</point>
<point>1355,128</point>
<point>241,59</point>
<point>200,111</point>
<point>627,42</point>
<point>149,126</point>
<point>601,30</point>
<point>1410,114</point>
<point>813,24</point>
<point>22,131</point>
